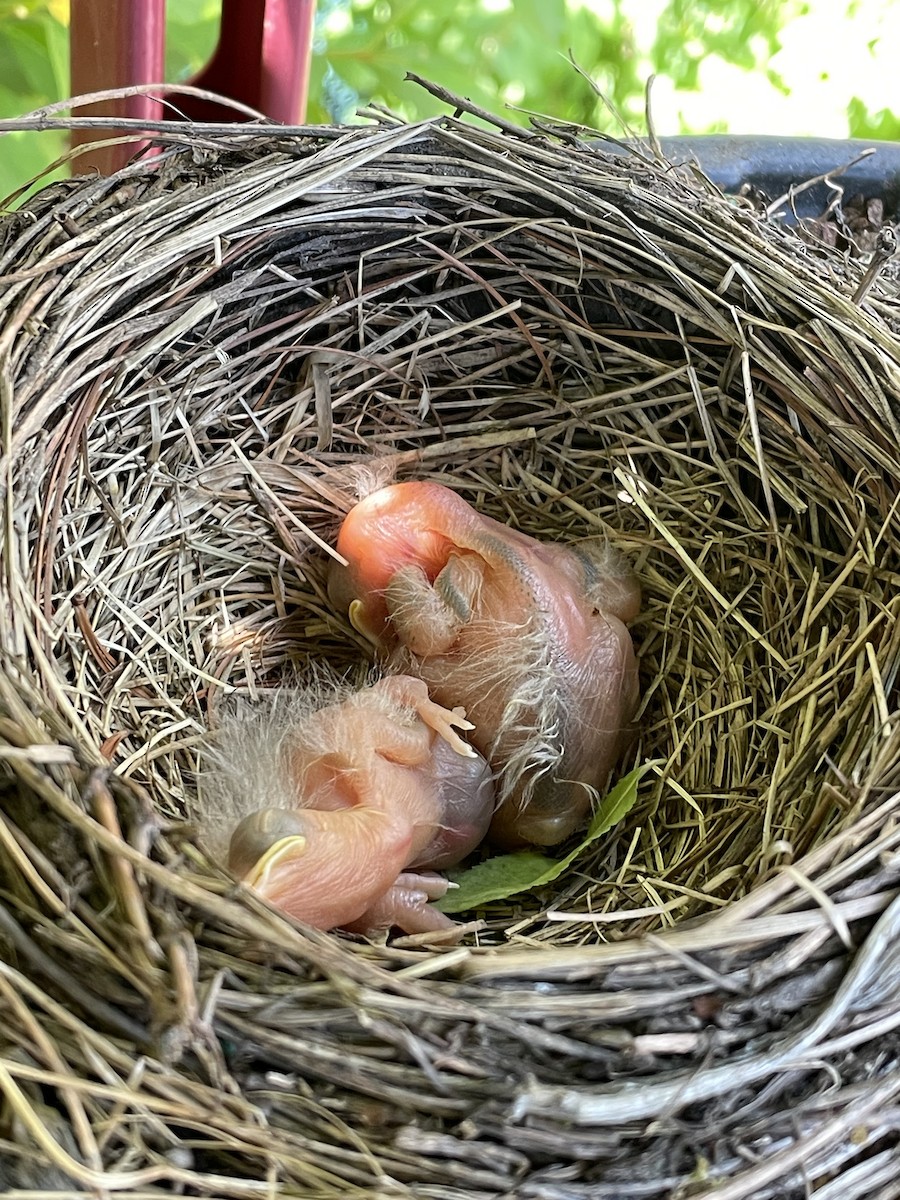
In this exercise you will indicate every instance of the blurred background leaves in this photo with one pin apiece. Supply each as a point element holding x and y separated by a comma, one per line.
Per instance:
<point>779,66</point>
<point>34,69</point>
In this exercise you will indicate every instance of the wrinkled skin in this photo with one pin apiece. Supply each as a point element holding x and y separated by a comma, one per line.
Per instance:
<point>386,789</point>
<point>529,637</point>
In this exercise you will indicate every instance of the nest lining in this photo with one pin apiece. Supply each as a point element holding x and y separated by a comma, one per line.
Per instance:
<point>203,360</point>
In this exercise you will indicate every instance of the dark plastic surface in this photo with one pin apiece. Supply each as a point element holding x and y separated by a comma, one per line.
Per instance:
<point>775,164</point>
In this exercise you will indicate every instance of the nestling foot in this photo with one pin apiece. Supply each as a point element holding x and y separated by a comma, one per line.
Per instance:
<point>444,721</point>
<point>406,906</point>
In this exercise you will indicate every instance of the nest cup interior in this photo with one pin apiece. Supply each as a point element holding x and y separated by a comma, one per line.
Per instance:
<point>215,358</point>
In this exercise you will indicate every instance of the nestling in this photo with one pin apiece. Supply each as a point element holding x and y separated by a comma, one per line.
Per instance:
<point>339,813</point>
<point>528,636</point>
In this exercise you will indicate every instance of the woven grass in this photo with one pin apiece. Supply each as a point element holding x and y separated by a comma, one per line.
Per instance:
<point>201,357</point>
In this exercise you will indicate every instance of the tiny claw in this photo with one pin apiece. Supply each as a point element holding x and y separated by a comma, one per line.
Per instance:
<point>406,905</point>
<point>445,722</point>
<point>461,723</point>
<point>430,884</point>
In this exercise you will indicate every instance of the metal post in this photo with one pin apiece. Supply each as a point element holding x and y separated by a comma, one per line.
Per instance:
<point>115,43</point>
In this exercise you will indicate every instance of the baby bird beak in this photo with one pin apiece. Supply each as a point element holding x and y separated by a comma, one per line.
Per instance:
<point>283,852</point>
<point>264,840</point>
<point>326,867</point>
<point>358,619</point>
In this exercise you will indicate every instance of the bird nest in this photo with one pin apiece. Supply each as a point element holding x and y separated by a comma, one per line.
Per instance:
<point>201,357</point>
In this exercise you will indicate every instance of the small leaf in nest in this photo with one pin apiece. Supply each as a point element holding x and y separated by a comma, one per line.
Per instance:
<point>507,874</point>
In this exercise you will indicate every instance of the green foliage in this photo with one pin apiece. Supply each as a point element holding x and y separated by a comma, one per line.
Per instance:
<point>514,50</point>
<point>742,32</point>
<point>34,69</point>
<point>865,124</point>
<point>507,874</point>
<point>192,29</point>
<point>518,50</point>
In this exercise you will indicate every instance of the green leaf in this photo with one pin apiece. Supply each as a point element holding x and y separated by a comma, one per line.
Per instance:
<point>506,874</point>
<point>192,30</point>
<point>24,65</point>
<point>865,124</point>
<point>495,879</point>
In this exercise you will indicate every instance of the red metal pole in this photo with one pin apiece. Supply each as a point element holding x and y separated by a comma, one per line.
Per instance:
<point>115,43</point>
<point>262,59</point>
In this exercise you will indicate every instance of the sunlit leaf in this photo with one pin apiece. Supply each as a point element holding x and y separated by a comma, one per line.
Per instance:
<point>192,30</point>
<point>883,124</point>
